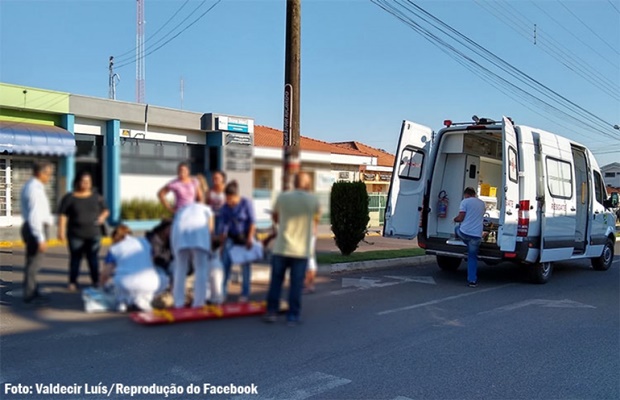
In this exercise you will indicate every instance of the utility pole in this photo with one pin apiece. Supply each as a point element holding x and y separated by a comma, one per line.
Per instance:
<point>292,69</point>
<point>112,79</point>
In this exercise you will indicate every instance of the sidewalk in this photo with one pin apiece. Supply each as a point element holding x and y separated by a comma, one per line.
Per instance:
<point>10,236</point>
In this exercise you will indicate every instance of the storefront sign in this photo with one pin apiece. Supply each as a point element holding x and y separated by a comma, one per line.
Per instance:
<point>343,175</point>
<point>233,138</point>
<point>385,177</point>
<point>369,177</point>
<point>225,123</point>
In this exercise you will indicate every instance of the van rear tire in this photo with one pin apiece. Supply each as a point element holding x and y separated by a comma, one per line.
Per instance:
<point>449,263</point>
<point>541,272</point>
<point>606,258</point>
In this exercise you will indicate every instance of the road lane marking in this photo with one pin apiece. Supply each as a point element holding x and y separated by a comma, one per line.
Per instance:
<point>449,298</point>
<point>538,302</point>
<point>418,279</point>
<point>299,387</point>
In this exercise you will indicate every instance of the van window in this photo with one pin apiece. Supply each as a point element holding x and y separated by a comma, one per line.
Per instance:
<point>512,163</point>
<point>559,178</point>
<point>411,161</point>
<point>599,187</point>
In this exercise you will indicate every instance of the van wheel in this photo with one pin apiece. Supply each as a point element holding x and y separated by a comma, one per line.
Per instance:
<point>603,262</point>
<point>541,272</point>
<point>449,263</point>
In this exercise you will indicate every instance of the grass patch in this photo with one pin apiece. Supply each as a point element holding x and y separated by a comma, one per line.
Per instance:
<point>334,258</point>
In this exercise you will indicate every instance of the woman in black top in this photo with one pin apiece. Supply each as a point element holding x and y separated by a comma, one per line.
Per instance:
<point>82,214</point>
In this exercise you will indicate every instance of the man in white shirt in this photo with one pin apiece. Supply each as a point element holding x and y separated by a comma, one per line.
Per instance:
<point>35,210</point>
<point>471,217</point>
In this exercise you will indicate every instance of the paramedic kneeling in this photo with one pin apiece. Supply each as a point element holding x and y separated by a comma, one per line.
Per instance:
<point>471,217</point>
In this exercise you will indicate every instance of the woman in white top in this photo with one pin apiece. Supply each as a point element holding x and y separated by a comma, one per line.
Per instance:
<point>136,279</point>
<point>191,239</point>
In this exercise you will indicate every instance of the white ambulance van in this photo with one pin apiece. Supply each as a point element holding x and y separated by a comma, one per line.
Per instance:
<point>545,196</point>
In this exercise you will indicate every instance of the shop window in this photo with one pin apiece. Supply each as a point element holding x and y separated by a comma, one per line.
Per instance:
<point>150,157</point>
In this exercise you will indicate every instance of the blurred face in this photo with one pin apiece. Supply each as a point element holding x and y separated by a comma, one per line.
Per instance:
<point>183,172</point>
<point>86,183</point>
<point>232,200</point>
<point>45,175</point>
<point>218,179</point>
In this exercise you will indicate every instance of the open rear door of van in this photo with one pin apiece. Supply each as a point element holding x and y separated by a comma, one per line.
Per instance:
<point>507,234</point>
<point>402,213</point>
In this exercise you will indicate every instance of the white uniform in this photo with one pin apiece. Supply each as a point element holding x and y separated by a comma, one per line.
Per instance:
<point>136,280</point>
<point>191,239</point>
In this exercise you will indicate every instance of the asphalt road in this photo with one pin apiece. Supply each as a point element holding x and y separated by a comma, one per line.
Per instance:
<point>406,333</point>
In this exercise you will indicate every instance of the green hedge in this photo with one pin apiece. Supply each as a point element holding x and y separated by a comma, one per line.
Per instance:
<point>141,209</point>
<point>349,214</point>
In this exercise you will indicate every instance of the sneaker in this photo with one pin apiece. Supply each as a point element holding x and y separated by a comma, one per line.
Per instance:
<point>72,287</point>
<point>472,284</point>
<point>270,318</point>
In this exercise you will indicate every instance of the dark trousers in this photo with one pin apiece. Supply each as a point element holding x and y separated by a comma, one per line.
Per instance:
<point>34,259</point>
<point>79,248</point>
<point>279,265</point>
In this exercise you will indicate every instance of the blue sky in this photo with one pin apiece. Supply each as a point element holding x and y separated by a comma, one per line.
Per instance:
<point>363,71</point>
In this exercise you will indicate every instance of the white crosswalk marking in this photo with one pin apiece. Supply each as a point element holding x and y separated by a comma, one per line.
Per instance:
<point>299,388</point>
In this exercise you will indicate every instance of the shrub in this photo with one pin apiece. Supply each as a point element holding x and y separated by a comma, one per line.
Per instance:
<point>349,214</point>
<point>142,209</point>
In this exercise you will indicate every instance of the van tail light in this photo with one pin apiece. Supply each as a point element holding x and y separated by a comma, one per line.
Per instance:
<point>523,223</point>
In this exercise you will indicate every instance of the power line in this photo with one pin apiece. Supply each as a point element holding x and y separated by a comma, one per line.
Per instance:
<point>127,58</point>
<point>570,61</point>
<point>570,32</point>
<point>505,66</point>
<point>611,3</point>
<point>587,26</point>
<point>132,51</point>
<point>588,120</point>
<point>192,12</point>
<point>176,35</point>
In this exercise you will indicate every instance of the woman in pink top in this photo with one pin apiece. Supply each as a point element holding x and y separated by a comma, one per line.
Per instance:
<point>186,189</point>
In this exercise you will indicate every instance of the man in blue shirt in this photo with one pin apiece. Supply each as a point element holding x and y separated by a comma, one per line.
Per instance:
<point>35,209</point>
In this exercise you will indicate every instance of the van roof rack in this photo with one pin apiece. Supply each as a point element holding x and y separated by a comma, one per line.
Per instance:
<point>476,122</point>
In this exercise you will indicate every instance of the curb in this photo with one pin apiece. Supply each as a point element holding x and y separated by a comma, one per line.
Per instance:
<point>261,273</point>
<point>377,264</point>
<point>18,244</point>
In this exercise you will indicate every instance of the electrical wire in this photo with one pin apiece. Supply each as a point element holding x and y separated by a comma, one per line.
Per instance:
<point>502,64</point>
<point>149,51</point>
<point>132,51</point>
<point>570,32</point>
<point>570,61</point>
<point>556,50</point>
<point>588,26</point>
<point>131,57</point>
<point>611,3</point>
<point>593,122</point>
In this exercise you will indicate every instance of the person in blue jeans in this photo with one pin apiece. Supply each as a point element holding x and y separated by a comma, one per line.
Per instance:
<point>238,229</point>
<point>471,217</point>
<point>296,214</point>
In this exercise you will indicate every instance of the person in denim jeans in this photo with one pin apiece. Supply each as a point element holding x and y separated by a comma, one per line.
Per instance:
<point>296,214</point>
<point>471,217</point>
<point>82,214</point>
<point>238,229</point>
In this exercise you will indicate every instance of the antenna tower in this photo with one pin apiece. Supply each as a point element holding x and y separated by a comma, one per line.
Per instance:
<point>140,74</point>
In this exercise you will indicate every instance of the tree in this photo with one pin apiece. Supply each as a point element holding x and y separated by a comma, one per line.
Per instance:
<point>349,214</point>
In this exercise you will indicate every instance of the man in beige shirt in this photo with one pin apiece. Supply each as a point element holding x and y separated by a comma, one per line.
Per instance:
<point>296,214</point>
